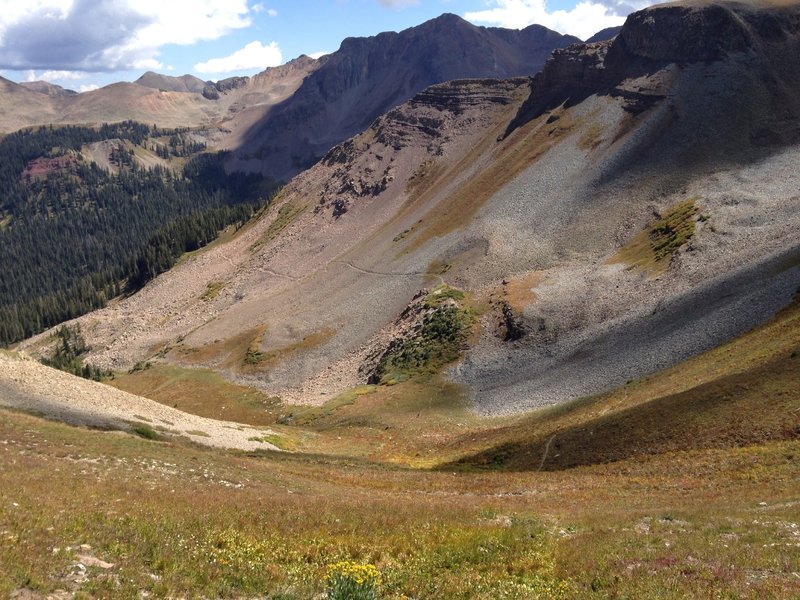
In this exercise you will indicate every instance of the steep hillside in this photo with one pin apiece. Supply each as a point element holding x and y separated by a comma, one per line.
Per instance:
<point>353,193</point>
<point>368,76</point>
<point>633,211</point>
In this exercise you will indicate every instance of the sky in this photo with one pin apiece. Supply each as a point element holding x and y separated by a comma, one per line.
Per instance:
<point>85,44</point>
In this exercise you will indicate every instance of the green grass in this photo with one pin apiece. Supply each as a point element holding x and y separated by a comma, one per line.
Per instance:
<point>145,431</point>
<point>179,521</point>
<point>198,433</point>
<point>682,485</point>
<point>441,294</point>
<point>286,215</point>
<point>439,339</point>
<point>653,249</point>
<point>212,290</point>
<point>306,415</point>
<point>279,441</point>
<point>253,356</point>
<point>202,392</point>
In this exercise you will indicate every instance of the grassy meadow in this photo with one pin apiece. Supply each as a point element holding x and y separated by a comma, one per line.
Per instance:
<point>682,485</point>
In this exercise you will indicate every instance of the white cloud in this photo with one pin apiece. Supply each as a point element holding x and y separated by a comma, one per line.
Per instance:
<point>104,36</point>
<point>89,87</point>
<point>397,4</point>
<point>32,75</point>
<point>253,56</point>
<point>316,55</point>
<point>147,64</point>
<point>259,8</point>
<point>587,18</point>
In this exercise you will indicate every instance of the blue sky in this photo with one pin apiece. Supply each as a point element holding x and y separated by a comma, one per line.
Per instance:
<point>82,44</point>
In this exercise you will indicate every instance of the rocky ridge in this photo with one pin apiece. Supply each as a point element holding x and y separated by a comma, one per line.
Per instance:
<point>367,77</point>
<point>364,166</point>
<point>650,41</point>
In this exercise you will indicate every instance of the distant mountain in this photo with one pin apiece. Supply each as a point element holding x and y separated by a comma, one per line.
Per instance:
<point>184,83</point>
<point>50,89</point>
<point>20,106</point>
<point>604,34</point>
<point>166,101</point>
<point>368,76</point>
<point>284,119</point>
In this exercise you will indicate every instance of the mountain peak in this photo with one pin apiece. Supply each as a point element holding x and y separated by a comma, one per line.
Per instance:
<point>448,18</point>
<point>382,72</point>
<point>184,83</point>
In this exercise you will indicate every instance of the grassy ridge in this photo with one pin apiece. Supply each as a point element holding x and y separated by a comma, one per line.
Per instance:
<point>653,248</point>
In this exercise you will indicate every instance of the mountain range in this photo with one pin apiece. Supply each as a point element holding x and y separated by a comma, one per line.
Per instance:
<point>285,118</point>
<point>537,197</point>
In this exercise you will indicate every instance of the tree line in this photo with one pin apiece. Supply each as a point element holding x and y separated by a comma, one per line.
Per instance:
<point>76,237</point>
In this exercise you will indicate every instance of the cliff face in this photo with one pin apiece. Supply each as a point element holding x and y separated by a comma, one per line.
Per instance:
<point>651,40</point>
<point>709,32</point>
<point>368,76</point>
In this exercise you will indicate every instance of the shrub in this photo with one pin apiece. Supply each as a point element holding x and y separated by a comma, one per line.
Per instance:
<point>146,432</point>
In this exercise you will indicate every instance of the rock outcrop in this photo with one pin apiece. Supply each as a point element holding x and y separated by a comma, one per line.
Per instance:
<point>650,40</point>
<point>364,165</point>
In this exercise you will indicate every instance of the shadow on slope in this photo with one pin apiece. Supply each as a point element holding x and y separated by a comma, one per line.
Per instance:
<point>679,33</point>
<point>743,393</point>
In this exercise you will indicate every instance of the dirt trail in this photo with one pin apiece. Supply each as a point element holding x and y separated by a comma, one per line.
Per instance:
<point>388,274</point>
<point>32,387</point>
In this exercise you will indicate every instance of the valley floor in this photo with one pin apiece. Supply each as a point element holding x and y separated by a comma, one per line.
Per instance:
<point>681,485</point>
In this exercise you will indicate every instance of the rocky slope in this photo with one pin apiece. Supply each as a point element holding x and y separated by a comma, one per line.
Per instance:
<point>641,207</point>
<point>308,250</point>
